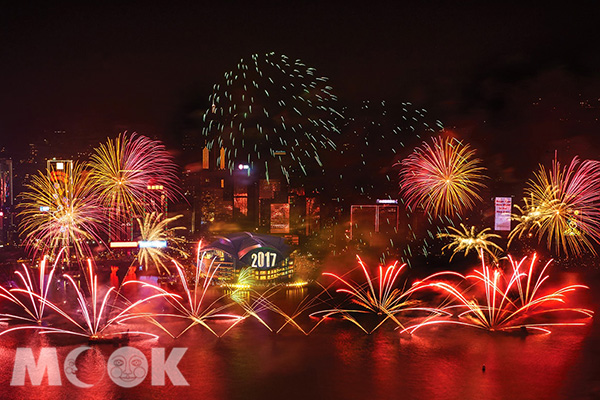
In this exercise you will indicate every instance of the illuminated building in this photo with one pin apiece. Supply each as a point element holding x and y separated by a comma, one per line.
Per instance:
<point>268,257</point>
<point>155,203</point>
<point>209,190</point>
<point>371,221</point>
<point>304,214</point>
<point>62,170</point>
<point>224,200</point>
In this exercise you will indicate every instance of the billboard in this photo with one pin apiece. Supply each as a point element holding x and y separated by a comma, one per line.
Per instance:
<point>503,211</point>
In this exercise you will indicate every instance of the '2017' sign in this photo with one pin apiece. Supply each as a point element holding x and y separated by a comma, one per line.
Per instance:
<point>264,259</point>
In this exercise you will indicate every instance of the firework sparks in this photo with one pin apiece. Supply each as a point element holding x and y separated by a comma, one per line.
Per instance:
<point>35,293</point>
<point>443,178</point>
<point>468,240</point>
<point>60,211</point>
<point>563,205</point>
<point>155,228</point>
<point>495,302</point>
<point>193,305</point>
<point>123,170</point>
<point>378,295</point>
<point>254,302</point>
<point>272,111</point>
<point>97,324</point>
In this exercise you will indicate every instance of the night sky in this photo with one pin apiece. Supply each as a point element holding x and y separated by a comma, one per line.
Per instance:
<point>96,71</point>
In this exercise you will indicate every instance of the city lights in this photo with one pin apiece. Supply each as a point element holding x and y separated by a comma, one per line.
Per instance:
<point>157,244</point>
<point>208,200</point>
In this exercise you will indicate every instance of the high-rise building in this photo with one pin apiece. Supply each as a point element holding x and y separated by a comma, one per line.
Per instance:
<point>6,201</point>
<point>371,222</point>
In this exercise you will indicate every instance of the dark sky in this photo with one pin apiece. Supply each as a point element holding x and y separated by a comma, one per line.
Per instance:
<point>96,70</point>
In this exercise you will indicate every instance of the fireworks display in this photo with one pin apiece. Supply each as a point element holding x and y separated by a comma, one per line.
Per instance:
<point>300,200</point>
<point>98,319</point>
<point>154,227</point>
<point>59,210</point>
<point>377,295</point>
<point>469,240</point>
<point>194,305</point>
<point>491,300</point>
<point>124,170</point>
<point>562,205</point>
<point>272,113</point>
<point>75,205</point>
<point>32,298</point>
<point>487,298</point>
<point>443,178</point>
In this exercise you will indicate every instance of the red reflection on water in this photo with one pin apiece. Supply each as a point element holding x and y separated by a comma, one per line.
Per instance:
<point>446,363</point>
<point>515,367</point>
<point>385,361</point>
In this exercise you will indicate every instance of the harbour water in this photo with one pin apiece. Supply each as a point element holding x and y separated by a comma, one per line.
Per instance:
<point>440,363</point>
<point>337,361</point>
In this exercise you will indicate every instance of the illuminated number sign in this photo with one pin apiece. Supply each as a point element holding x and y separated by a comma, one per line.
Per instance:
<point>262,258</point>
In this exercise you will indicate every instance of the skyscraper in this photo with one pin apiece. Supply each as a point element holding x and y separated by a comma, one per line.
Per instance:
<point>6,201</point>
